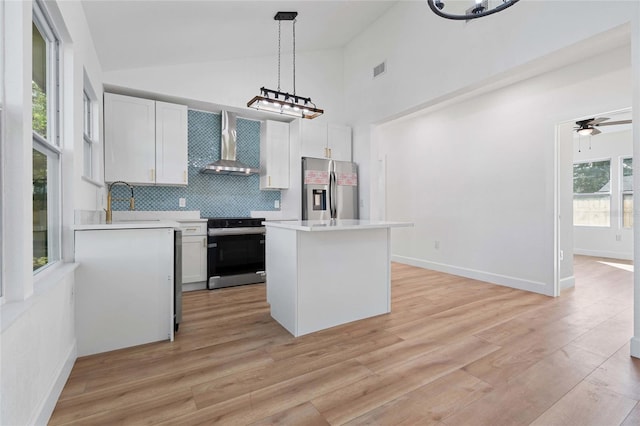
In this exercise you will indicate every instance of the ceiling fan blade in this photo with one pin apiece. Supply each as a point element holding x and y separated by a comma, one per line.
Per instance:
<point>595,132</point>
<point>584,123</point>
<point>613,123</point>
<point>598,120</point>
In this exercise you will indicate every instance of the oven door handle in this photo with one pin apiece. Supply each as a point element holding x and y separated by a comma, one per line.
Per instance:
<point>213,232</point>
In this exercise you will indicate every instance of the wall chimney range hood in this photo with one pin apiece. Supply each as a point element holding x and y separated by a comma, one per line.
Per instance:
<point>227,164</point>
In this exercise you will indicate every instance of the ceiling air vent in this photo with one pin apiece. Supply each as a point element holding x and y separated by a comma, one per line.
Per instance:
<point>379,69</point>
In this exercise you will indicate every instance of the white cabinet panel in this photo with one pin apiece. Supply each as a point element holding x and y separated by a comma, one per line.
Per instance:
<point>339,142</point>
<point>124,288</point>
<point>145,141</point>
<point>194,252</point>
<point>171,143</point>
<point>194,259</point>
<point>313,139</point>
<point>129,131</point>
<point>274,155</point>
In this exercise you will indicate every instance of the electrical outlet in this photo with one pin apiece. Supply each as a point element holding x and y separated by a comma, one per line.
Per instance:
<point>437,245</point>
<point>182,202</point>
<point>276,204</point>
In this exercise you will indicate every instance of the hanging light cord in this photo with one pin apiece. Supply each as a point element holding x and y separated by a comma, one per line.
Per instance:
<point>279,27</point>
<point>294,56</point>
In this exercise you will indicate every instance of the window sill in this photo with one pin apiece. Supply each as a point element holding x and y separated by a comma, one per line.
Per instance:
<point>10,312</point>
<point>92,182</point>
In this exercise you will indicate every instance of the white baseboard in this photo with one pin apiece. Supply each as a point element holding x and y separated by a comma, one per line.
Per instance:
<point>603,253</point>
<point>513,282</point>
<point>568,282</point>
<point>46,408</point>
<point>202,285</point>
<point>635,347</point>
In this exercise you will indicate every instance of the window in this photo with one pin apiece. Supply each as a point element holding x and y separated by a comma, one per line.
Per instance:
<point>627,192</point>
<point>592,193</point>
<point>90,135</point>
<point>46,151</point>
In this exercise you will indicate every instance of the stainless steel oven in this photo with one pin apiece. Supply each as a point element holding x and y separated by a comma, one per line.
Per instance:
<point>235,251</point>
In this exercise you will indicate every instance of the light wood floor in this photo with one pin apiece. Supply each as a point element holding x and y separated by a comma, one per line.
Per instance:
<point>453,352</point>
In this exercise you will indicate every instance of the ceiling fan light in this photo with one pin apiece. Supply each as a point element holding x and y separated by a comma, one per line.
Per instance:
<point>585,131</point>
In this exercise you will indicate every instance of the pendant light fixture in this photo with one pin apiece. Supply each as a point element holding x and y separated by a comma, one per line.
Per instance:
<point>471,9</point>
<point>282,102</point>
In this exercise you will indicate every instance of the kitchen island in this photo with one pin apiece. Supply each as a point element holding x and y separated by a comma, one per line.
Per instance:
<point>325,273</point>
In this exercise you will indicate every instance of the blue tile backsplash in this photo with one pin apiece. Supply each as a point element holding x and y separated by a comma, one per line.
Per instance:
<point>213,195</point>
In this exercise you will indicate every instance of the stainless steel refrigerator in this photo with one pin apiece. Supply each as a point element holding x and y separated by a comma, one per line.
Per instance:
<point>329,189</point>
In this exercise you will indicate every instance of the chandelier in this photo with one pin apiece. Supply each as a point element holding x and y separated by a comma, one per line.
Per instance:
<point>283,102</point>
<point>468,9</point>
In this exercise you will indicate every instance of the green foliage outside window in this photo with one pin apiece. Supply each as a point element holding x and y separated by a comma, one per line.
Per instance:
<point>592,177</point>
<point>39,110</point>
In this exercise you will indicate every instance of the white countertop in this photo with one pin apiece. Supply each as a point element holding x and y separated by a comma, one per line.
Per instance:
<point>130,224</point>
<point>334,225</point>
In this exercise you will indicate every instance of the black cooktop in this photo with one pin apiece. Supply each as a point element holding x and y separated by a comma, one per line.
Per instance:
<point>234,222</point>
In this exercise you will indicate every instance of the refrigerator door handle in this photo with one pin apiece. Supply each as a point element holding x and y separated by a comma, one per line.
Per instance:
<point>333,193</point>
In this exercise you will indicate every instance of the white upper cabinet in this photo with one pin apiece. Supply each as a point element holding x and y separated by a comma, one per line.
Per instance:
<point>313,139</point>
<point>274,155</point>
<point>129,134</point>
<point>145,141</point>
<point>339,142</point>
<point>325,141</point>
<point>171,144</point>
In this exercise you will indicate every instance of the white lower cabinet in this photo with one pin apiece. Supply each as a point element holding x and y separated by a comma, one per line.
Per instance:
<point>194,259</point>
<point>124,288</point>
<point>194,255</point>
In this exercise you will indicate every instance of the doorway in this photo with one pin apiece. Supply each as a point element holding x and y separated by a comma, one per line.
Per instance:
<point>595,191</point>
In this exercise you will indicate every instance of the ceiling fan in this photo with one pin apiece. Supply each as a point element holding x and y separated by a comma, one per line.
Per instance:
<point>588,127</point>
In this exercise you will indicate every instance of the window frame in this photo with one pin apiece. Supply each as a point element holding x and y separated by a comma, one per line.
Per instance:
<point>2,152</point>
<point>50,145</point>
<point>587,194</point>
<point>90,134</point>
<point>624,192</point>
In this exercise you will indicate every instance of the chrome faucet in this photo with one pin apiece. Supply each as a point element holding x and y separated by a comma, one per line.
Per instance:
<point>132,201</point>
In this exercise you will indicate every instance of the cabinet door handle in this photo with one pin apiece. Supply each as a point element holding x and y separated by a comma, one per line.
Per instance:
<point>184,176</point>
<point>269,184</point>
<point>204,242</point>
<point>326,152</point>
<point>191,229</point>
<point>329,152</point>
<point>153,175</point>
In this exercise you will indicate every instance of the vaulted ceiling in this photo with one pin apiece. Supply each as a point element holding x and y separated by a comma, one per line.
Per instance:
<point>145,33</point>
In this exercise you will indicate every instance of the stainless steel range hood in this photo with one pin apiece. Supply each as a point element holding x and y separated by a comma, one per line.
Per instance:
<point>227,164</point>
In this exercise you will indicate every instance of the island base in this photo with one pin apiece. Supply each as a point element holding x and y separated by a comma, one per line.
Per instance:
<point>318,280</point>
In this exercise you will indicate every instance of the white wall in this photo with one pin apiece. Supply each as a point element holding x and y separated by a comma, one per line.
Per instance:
<point>478,176</point>
<point>601,241</point>
<point>37,329</point>
<point>319,75</point>
<point>431,60</point>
